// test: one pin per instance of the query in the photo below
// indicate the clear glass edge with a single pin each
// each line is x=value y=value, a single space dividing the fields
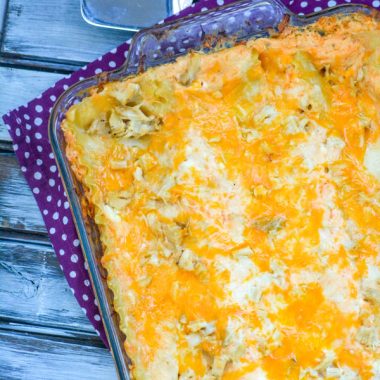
x=99 y=23
x=105 y=308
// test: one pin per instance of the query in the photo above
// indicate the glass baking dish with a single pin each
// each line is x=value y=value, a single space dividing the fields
x=131 y=15
x=208 y=31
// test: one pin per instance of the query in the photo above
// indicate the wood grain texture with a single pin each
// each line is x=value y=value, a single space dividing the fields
x=18 y=208
x=3 y=7
x=31 y=275
x=18 y=86
x=79 y=337
x=29 y=31
x=28 y=357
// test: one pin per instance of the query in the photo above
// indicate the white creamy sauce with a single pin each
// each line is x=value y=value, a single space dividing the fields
x=372 y=159
x=337 y=287
x=319 y=148
x=201 y=158
x=257 y=374
x=335 y=231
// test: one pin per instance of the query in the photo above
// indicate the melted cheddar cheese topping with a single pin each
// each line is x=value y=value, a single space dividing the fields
x=237 y=196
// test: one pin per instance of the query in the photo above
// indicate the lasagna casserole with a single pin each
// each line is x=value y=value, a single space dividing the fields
x=237 y=195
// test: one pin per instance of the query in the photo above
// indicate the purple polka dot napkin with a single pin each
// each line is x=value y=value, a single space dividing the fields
x=28 y=127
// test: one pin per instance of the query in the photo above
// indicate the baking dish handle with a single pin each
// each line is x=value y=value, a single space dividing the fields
x=226 y=24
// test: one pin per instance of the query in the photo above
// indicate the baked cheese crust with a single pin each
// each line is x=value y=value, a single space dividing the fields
x=237 y=196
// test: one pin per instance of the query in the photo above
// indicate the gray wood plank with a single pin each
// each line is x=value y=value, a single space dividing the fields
x=18 y=208
x=18 y=86
x=3 y=7
x=78 y=337
x=55 y=30
x=28 y=357
x=33 y=291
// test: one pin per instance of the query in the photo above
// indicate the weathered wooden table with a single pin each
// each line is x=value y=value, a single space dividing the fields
x=43 y=332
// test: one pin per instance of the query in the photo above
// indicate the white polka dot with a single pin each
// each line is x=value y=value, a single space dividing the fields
x=36 y=190
x=97 y=332
x=39 y=162
x=48 y=198
x=38 y=121
x=26 y=154
x=51 y=182
x=220 y=2
x=65 y=87
x=37 y=175
x=51 y=155
x=98 y=71
x=74 y=258
x=204 y=9
x=64 y=237
x=85 y=297
x=66 y=205
x=39 y=148
x=95 y=301
x=97 y=317
x=76 y=243
x=18 y=131
x=28 y=127
x=84 y=310
x=56 y=216
x=81 y=78
x=87 y=282
x=331 y=3
x=72 y=290
x=61 y=252
x=52 y=230
x=61 y=266
x=38 y=136
x=27 y=139
x=65 y=220
x=45 y=212
x=53 y=98
x=376 y=3
x=39 y=108
x=85 y=265
x=26 y=117
x=317 y=9
x=112 y=64
x=59 y=203
x=23 y=169
x=15 y=147
x=73 y=274
x=303 y=4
